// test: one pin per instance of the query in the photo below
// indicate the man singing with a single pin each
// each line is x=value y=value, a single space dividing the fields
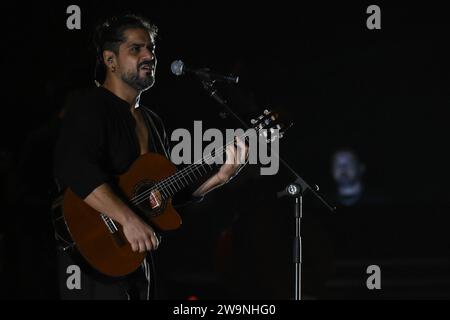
x=106 y=130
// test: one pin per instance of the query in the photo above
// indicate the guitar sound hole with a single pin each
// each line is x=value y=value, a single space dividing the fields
x=141 y=195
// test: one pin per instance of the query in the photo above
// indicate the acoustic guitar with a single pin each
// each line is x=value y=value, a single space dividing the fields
x=148 y=186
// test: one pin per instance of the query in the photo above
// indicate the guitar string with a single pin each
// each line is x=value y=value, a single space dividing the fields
x=139 y=198
x=174 y=178
x=170 y=180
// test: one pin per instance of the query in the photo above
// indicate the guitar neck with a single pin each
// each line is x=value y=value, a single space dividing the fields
x=193 y=172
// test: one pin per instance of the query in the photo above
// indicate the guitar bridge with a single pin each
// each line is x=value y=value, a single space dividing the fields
x=109 y=223
x=155 y=199
x=113 y=230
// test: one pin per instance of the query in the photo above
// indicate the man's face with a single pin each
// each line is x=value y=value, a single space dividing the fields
x=137 y=60
x=346 y=168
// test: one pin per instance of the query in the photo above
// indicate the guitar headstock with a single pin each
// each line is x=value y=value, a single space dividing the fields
x=269 y=122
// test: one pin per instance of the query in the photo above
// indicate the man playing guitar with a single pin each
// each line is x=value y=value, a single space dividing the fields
x=106 y=129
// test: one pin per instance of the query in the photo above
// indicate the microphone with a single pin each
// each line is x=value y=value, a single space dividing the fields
x=179 y=68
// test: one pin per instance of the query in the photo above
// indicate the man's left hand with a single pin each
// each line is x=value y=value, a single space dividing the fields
x=237 y=155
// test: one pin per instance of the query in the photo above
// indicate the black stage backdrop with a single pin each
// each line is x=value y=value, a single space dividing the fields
x=382 y=93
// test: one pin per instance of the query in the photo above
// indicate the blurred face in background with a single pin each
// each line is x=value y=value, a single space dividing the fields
x=346 y=168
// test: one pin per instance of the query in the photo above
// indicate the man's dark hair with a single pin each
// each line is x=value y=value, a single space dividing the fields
x=109 y=34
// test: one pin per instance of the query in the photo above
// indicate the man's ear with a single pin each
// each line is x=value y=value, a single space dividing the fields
x=109 y=58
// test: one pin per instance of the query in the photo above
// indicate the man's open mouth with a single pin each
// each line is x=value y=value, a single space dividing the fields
x=146 y=67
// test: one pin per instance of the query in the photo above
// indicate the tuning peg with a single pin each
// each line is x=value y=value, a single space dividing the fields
x=253 y=121
x=266 y=112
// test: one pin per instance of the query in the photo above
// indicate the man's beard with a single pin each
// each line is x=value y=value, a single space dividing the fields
x=140 y=84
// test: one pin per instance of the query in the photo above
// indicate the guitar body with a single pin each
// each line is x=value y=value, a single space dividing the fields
x=107 y=250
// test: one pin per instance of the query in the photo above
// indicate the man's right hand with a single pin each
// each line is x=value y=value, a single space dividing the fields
x=140 y=235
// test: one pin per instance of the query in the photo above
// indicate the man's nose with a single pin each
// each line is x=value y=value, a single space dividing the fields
x=148 y=55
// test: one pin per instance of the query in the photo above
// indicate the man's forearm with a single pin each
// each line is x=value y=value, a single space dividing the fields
x=104 y=200
x=208 y=186
x=137 y=232
x=236 y=159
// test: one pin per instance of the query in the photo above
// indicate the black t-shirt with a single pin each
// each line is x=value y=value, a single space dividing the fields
x=98 y=141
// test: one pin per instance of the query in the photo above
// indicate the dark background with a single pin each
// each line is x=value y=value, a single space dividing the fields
x=383 y=93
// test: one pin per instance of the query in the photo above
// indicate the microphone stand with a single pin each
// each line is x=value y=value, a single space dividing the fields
x=295 y=189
